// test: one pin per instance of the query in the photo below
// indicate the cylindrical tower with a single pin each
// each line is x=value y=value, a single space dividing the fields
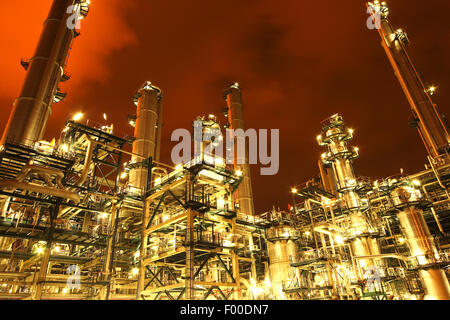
x=335 y=137
x=282 y=250
x=233 y=96
x=420 y=242
x=432 y=129
x=146 y=143
x=28 y=120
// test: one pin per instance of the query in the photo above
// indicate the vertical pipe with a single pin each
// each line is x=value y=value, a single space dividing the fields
x=159 y=132
x=143 y=251
x=40 y=282
x=108 y=267
x=436 y=218
x=254 y=274
x=28 y=120
x=233 y=97
x=235 y=265
x=40 y=279
x=189 y=293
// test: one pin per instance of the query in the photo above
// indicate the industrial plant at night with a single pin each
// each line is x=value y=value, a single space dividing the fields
x=98 y=215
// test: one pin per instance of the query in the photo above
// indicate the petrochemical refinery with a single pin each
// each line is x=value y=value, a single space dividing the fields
x=96 y=216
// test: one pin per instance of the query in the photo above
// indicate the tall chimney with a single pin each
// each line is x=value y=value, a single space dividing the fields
x=146 y=132
x=233 y=97
x=28 y=120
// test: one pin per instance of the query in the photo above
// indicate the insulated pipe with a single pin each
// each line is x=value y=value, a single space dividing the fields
x=30 y=168
x=421 y=243
x=44 y=173
x=432 y=128
x=87 y=160
x=146 y=132
x=14 y=184
x=244 y=193
x=159 y=133
x=28 y=120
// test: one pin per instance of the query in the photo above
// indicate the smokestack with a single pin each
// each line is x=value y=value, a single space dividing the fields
x=432 y=128
x=233 y=97
x=28 y=120
x=146 y=132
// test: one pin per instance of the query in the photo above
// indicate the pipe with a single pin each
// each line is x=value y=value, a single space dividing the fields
x=138 y=156
x=436 y=173
x=29 y=168
x=393 y=256
x=40 y=189
x=87 y=160
x=42 y=171
x=45 y=173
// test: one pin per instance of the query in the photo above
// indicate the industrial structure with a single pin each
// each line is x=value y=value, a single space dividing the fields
x=98 y=216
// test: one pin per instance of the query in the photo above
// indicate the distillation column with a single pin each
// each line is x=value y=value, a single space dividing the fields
x=28 y=120
x=420 y=242
x=244 y=193
x=146 y=133
x=283 y=250
x=341 y=158
x=432 y=129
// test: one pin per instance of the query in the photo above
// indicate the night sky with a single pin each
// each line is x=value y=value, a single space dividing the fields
x=298 y=62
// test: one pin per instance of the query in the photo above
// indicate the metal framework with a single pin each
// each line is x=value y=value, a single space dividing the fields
x=192 y=247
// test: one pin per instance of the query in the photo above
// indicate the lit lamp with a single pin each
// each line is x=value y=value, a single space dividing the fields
x=78 y=116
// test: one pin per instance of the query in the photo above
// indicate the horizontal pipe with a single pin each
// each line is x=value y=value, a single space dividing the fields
x=393 y=256
x=40 y=189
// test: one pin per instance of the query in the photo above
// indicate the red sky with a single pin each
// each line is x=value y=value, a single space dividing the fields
x=298 y=62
